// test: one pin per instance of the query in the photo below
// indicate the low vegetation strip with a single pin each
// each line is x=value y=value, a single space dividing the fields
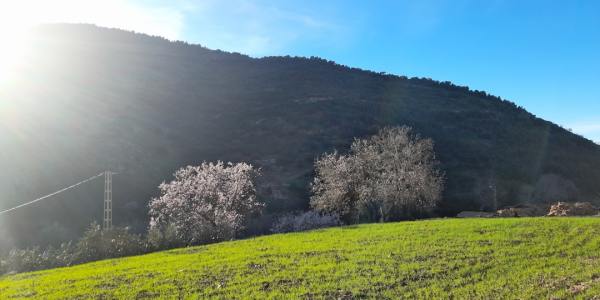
x=461 y=258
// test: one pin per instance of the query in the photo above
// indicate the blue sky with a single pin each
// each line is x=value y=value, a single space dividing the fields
x=543 y=55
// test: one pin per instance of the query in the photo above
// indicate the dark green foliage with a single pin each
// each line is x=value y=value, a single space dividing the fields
x=100 y=244
x=96 y=99
x=95 y=244
x=36 y=258
x=165 y=238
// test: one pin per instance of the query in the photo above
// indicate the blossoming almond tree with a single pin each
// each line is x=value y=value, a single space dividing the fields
x=390 y=176
x=207 y=203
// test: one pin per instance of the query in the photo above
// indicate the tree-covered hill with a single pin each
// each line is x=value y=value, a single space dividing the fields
x=88 y=99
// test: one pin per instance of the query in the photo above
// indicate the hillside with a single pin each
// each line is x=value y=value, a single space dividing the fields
x=90 y=99
x=535 y=258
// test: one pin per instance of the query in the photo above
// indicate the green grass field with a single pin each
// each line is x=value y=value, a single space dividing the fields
x=523 y=258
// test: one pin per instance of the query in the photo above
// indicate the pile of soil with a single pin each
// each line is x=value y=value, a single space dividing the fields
x=564 y=209
x=520 y=211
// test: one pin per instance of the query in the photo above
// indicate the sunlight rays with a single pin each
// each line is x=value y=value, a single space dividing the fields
x=14 y=37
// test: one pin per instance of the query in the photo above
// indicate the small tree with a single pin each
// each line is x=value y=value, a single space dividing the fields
x=206 y=203
x=389 y=176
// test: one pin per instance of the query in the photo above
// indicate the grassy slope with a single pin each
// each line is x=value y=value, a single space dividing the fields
x=471 y=258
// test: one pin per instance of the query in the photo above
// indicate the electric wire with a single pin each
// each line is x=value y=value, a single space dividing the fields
x=52 y=194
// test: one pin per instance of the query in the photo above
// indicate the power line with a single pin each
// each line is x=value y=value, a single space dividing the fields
x=53 y=194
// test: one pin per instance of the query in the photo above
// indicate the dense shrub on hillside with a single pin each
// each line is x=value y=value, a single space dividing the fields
x=19 y=260
x=36 y=258
x=165 y=238
x=207 y=203
x=392 y=175
x=100 y=244
x=95 y=244
x=304 y=221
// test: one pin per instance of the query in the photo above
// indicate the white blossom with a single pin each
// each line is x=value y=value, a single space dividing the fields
x=210 y=202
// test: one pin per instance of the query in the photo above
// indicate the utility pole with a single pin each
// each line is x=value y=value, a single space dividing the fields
x=107 y=225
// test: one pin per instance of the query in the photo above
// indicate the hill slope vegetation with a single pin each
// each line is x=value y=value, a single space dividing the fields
x=89 y=99
x=465 y=259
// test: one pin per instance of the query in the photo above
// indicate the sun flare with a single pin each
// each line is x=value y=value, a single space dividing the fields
x=17 y=17
x=16 y=20
x=12 y=52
